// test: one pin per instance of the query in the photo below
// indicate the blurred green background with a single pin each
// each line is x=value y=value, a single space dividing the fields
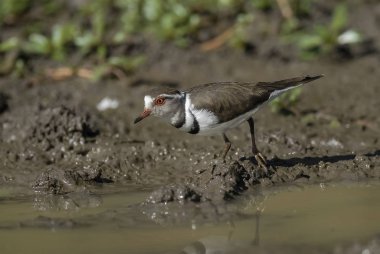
x=96 y=32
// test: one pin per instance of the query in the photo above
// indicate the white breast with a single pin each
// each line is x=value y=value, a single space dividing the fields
x=206 y=119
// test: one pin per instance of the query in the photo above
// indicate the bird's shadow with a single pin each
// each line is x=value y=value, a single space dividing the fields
x=310 y=161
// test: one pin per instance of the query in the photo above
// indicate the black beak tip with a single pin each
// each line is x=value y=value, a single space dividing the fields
x=138 y=119
x=143 y=115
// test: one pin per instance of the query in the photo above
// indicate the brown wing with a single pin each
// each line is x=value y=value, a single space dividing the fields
x=230 y=99
x=270 y=87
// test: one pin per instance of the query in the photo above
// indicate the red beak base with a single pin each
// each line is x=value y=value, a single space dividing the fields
x=143 y=115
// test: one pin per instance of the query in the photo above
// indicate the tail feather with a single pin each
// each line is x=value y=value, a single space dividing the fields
x=274 y=89
x=283 y=84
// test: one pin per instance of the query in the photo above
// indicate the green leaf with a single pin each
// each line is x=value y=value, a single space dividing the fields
x=152 y=10
x=286 y=100
x=61 y=34
x=38 y=44
x=19 y=68
x=290 y=26
x=10 y=8
x=308 y=119
x=263 y=5
x=335 y=123
x=339 y=19
x=98 y=25
x=127 y=64
x=100 y=71
x=10 y=44
x=85 y=42
x=309 y=41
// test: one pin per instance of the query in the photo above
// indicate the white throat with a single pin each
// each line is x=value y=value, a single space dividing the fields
x=189 y=116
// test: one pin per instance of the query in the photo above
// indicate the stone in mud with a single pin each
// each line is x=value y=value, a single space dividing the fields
x=62 y=181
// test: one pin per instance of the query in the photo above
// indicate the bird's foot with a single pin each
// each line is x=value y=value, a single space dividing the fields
x=262 y=162
x=223 y=159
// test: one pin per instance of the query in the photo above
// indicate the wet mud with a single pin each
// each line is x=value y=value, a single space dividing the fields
x=54 y=139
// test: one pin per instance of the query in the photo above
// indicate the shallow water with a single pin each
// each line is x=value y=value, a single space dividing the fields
x=112 y=221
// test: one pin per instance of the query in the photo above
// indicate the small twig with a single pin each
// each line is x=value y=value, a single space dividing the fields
x=285 y=9
x=62 y=73
x=85 y=73
x=218 y=41
x=119 y=74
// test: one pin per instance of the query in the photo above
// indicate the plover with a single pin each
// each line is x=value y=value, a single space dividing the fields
x=215 y=108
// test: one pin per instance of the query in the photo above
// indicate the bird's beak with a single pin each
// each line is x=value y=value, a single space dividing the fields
x=143 y=115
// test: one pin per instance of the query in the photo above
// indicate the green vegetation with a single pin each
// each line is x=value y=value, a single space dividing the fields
x=94 y=32
x=286 y=101
x=10 y=9
x=323 y=38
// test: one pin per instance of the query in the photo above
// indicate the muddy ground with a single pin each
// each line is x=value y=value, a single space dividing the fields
x=55 y=140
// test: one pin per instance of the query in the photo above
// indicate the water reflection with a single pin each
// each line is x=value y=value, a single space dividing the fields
x=68 y=202
x=295 y=219
x=197 y=214
x=225 y=244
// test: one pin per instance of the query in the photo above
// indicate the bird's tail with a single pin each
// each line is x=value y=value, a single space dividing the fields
x=274 y=89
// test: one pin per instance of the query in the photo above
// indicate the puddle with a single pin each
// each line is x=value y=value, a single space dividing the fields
x=112 y=221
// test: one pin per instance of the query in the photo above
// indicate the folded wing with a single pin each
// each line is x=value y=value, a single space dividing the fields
x=228 y=100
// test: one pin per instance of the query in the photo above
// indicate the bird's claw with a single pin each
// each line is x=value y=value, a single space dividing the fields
x=262 y=162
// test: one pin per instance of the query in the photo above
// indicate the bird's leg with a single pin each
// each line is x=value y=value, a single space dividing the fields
x=227 y=147
x=261 y=161
x=256 y=240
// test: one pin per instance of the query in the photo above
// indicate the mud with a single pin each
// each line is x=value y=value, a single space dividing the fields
x=54 y=140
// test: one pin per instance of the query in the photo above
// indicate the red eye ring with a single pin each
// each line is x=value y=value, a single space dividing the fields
x=160 y=101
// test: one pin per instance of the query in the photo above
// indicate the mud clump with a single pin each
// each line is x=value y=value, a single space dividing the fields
x=216 y=183
x=62 y=181
x=50 y=133
x=222 y=181
x=50 y=143
x=219 y=181
x=61 y=128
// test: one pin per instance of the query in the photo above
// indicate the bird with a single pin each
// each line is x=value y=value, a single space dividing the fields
x=215 y=108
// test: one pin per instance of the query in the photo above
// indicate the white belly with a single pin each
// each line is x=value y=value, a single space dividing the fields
x=205 y=128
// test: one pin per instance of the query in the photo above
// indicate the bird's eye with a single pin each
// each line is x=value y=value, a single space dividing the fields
x=160 y=101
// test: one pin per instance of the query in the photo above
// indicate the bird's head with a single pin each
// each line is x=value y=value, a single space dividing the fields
x=162 y=104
